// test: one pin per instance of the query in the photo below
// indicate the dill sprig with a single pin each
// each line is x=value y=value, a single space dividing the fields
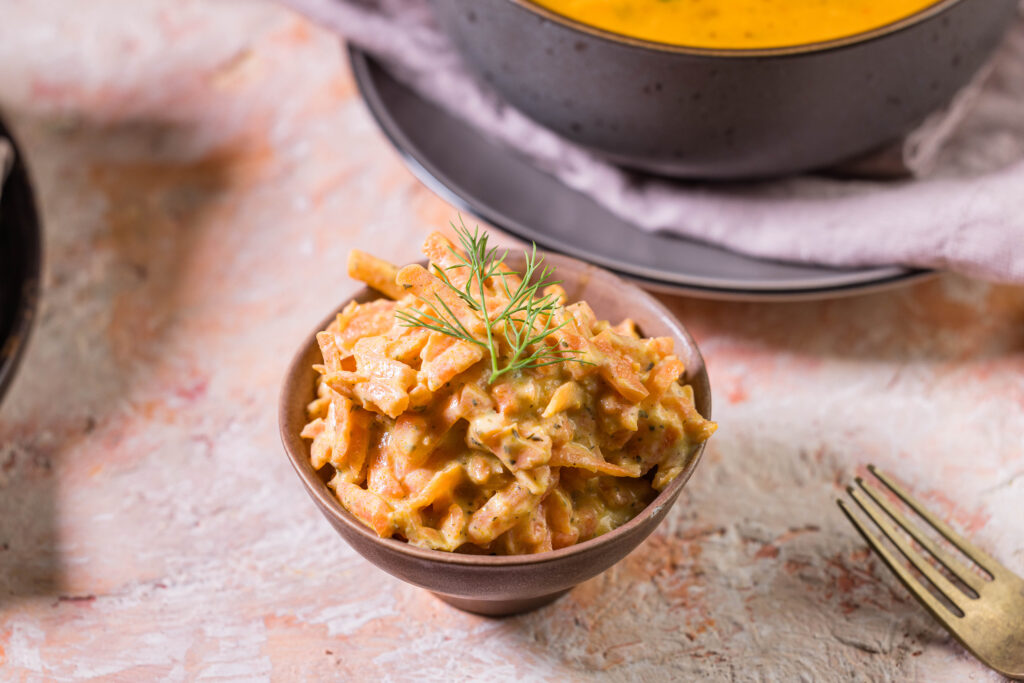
x=522 y=323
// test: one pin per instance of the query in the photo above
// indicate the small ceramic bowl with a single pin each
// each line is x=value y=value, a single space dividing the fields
x=500 y=585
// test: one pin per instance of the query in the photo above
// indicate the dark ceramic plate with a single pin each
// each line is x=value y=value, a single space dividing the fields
x=502 y=188
x=20 y=256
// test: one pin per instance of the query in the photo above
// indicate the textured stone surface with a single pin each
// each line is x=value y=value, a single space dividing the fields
x=203 y=169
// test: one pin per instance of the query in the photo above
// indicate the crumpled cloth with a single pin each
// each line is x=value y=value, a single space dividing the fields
x=962 y=209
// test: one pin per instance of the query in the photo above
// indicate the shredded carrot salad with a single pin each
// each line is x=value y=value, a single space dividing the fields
x=424 y=446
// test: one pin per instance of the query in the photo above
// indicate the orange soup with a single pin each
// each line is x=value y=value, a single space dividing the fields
x=736 y=24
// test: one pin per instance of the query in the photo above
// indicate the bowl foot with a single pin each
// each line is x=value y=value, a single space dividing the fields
x=500 y=608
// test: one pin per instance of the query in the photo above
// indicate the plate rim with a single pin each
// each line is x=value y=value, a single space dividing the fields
x=856 y=281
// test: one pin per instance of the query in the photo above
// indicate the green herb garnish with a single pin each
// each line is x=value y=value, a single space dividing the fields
x=516 y=332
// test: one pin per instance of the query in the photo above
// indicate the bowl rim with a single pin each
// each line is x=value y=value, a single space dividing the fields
x=921 y=15
x=297 y=449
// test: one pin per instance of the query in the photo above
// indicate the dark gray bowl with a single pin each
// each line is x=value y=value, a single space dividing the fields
x=499 y=585
x=725 y=114
x=20 y=265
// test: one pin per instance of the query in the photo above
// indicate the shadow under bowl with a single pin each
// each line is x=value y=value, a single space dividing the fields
x=725 y=114
x=502 y=585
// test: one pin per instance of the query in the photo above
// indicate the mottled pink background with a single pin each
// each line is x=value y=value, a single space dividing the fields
x=203 y=169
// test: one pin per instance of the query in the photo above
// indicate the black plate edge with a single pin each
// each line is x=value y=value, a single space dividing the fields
x=19 y=215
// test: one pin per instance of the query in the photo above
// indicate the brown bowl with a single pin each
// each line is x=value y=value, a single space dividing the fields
x=725 y=114
x=500 y=585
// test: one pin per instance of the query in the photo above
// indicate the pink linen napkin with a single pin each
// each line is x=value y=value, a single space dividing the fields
x=962 y=210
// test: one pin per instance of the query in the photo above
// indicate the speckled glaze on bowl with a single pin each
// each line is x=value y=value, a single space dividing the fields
x=725 y=114
x=501 y=585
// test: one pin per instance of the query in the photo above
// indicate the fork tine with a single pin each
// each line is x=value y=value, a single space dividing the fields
x=941 y=583
x=956 y=567
x=927 y=600
x=976 y=554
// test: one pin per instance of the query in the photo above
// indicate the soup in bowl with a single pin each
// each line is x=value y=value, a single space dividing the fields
x=808 y=88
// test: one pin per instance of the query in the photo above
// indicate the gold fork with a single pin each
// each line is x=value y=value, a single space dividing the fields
x=988 y=617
